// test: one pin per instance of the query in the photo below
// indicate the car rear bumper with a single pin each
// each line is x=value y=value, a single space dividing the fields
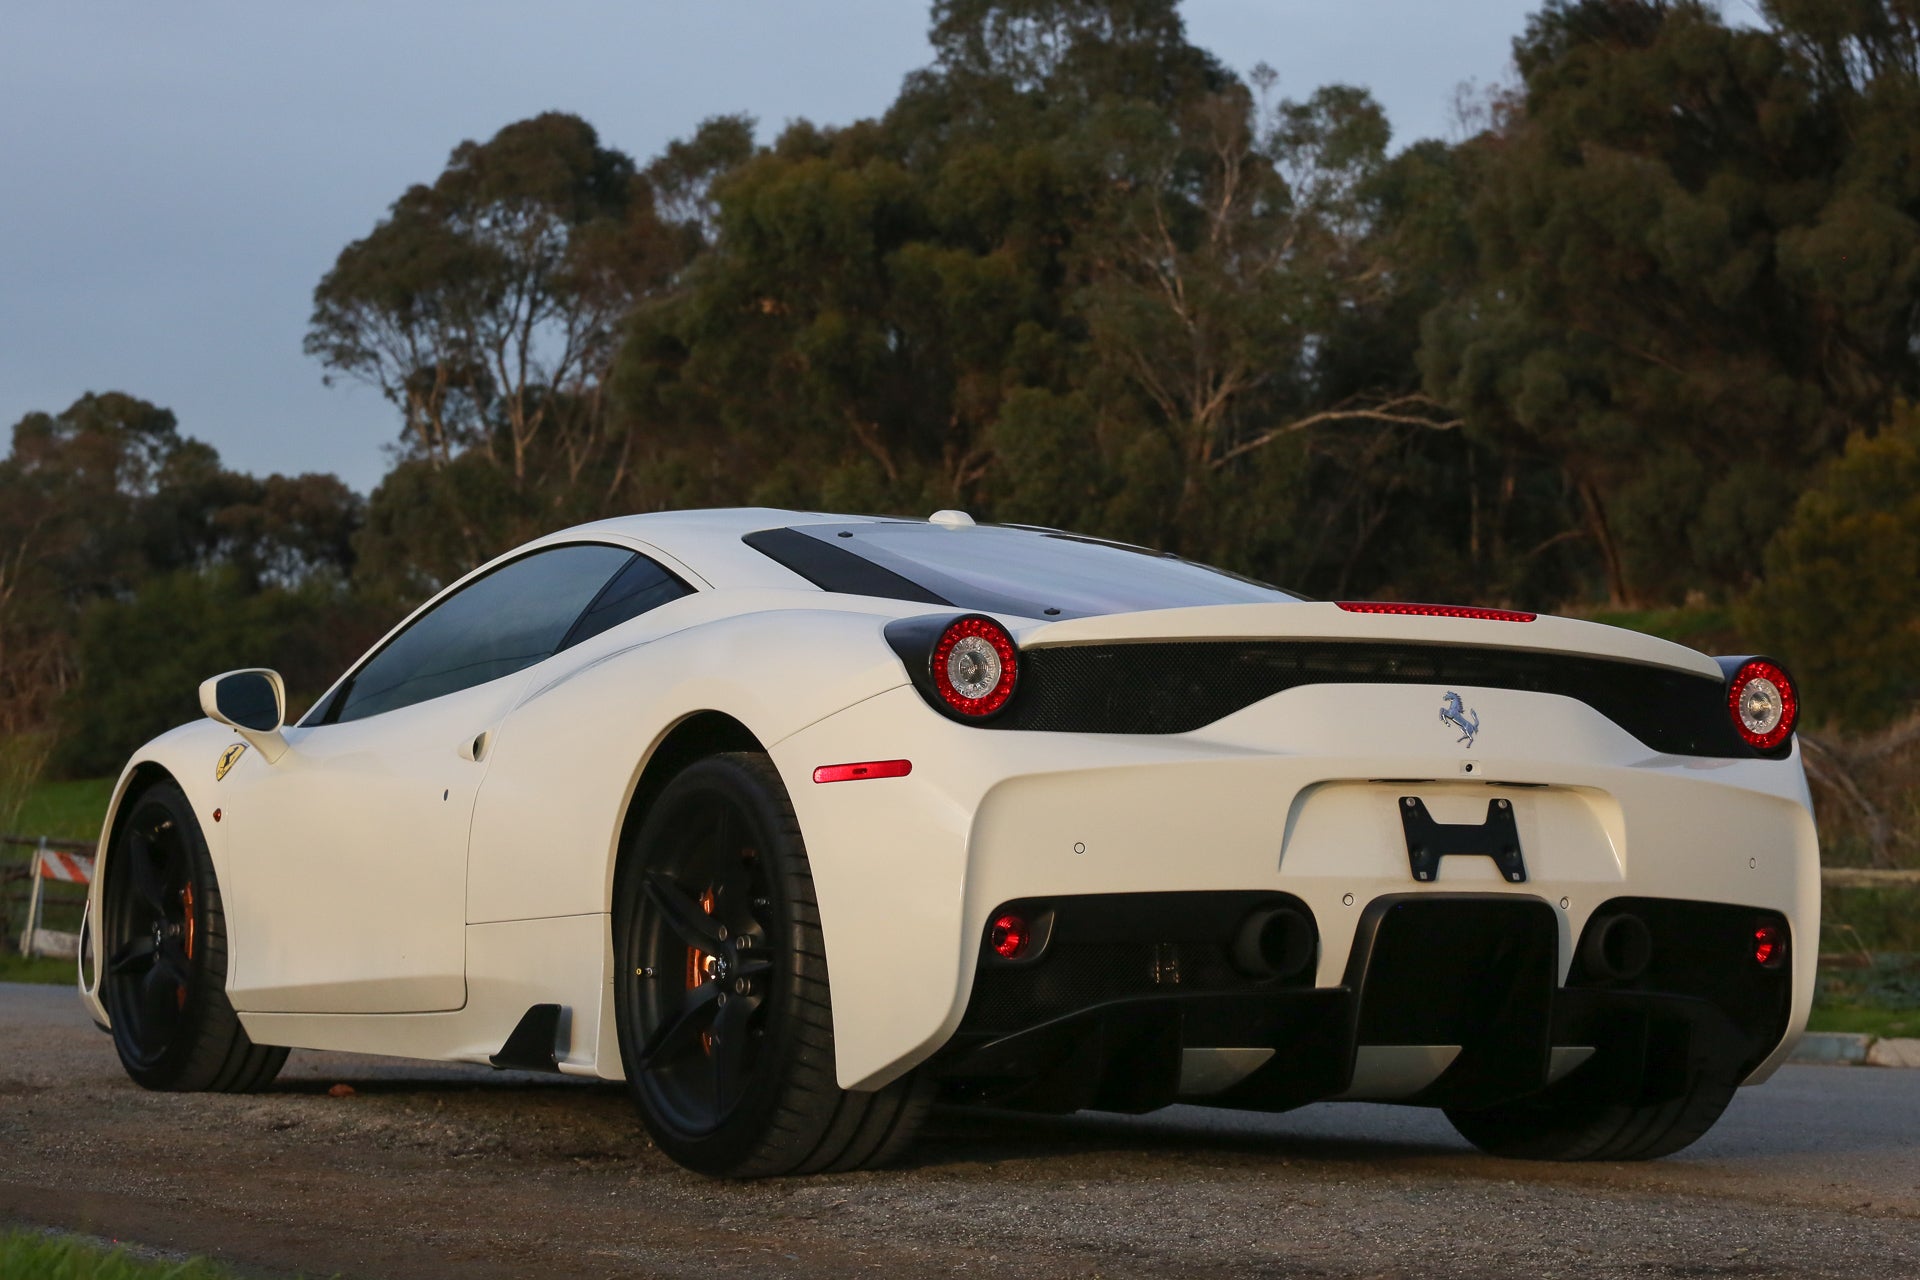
x=1131 y=1002
x=1299 y=795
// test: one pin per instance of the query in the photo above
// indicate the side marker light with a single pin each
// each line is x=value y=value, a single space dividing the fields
x=861 y=772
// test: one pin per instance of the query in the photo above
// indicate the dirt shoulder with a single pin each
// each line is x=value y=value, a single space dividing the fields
x=427 y=1171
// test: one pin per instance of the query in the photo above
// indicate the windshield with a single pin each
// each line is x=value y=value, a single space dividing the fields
x=1035 y=573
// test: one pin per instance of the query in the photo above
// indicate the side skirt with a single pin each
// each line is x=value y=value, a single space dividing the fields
x=512 y=966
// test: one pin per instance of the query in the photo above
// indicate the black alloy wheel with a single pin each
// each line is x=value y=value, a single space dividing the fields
x=150 y=971
x=703 y=948
x=163 y=979
x=721 y=991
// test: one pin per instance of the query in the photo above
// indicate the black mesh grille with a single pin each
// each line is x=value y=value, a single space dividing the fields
x=1179 y=686
x=1106 y=947
x=1081 y=975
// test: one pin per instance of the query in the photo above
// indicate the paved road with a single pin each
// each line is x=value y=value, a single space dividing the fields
x=430 y=1171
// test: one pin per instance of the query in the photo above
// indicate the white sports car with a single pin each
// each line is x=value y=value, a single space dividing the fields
x=796 y=822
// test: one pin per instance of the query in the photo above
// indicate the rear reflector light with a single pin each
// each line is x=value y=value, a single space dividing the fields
x=1769 y=946
x=1762 y=701
x=1008 y=936
x=1436 y=611
x=859 y=772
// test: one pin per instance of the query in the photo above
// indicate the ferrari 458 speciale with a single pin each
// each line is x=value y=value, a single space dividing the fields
x=799 y=823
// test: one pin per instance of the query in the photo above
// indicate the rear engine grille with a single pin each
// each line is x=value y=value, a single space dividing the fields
x=1179 y=686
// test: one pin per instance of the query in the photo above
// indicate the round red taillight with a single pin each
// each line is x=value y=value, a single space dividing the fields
x=1769 y=946
x=1009 y=936
x=975 y=666
x=1763 y=704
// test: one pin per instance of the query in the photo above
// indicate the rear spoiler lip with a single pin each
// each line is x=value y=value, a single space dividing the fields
x=1309 y=621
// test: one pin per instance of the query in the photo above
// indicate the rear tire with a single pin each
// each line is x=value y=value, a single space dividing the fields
x=1555 y=1125
x=164 y=966
x=721 y=992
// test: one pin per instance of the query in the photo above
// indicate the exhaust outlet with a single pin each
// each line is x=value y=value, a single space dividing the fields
x=1617 y=947
x=1274 y=942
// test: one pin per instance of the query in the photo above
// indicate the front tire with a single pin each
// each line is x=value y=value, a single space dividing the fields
x=723 y=1004
x=164 y=976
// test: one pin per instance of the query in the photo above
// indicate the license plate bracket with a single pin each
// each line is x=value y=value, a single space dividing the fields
x=1429 y=841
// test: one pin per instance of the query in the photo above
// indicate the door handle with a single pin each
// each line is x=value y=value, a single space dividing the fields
x=475 y=748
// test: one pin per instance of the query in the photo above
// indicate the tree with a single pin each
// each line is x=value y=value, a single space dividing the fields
x=1686 y=294
x=1076 y=275
x=142 y=656
x=97 y=503
x=487 y=305
x=1841 y=600
x=1238 y=237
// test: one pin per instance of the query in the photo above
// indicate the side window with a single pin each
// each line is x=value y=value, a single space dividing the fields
x=641 y=586
x=493 y=627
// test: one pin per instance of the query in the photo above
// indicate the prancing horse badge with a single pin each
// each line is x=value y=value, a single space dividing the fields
x=1453 y=712
x=227 y=759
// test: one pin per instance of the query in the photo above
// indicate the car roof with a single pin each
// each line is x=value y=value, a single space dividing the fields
x=707 y=540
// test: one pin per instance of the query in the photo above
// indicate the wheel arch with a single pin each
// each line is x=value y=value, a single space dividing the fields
x=694 y=736
x=139 y=775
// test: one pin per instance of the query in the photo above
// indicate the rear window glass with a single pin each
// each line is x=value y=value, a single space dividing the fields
x=641 y=586
x=1031 y=572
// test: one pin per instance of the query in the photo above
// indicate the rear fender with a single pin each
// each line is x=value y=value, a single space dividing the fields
x=567 y=762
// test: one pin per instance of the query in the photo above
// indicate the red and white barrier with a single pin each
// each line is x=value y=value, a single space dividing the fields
x=68 y=868
x=73 y=868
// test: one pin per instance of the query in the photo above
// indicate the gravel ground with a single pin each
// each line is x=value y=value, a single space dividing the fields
x=426 y=1170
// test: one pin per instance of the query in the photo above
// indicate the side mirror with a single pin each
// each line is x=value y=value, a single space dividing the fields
x=252 y=702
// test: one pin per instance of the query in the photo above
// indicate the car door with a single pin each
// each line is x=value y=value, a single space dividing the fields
x=350 y=850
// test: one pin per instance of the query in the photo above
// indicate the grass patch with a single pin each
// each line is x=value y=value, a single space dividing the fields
x=65 y=810
x=26 y=1255
x=1875 y=995
x=1871 y=919
x=1864 y=1020
x=61 y=811
x=15 y=967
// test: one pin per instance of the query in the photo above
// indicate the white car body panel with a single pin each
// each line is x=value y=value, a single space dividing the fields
x=992 y=822
x=358 y=906
x=386 y=894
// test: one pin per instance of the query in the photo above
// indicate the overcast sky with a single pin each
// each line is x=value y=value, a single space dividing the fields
x=175 y=178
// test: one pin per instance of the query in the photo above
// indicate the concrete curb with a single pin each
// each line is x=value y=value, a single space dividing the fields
x=1894 y=1051
x=1835 y=1048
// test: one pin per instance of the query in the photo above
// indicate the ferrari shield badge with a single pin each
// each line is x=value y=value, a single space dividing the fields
x=1453 y=712
x=227 y=760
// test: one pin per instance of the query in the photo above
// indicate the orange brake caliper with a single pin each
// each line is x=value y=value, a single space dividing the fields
x=186 y=901
x=696 y=967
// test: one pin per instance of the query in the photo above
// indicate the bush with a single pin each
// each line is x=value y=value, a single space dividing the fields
x=1841 y=600
x=143 y=658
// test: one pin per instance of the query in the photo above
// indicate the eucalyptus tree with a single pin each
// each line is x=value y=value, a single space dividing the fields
x=1698 y=269
x=488 y=306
